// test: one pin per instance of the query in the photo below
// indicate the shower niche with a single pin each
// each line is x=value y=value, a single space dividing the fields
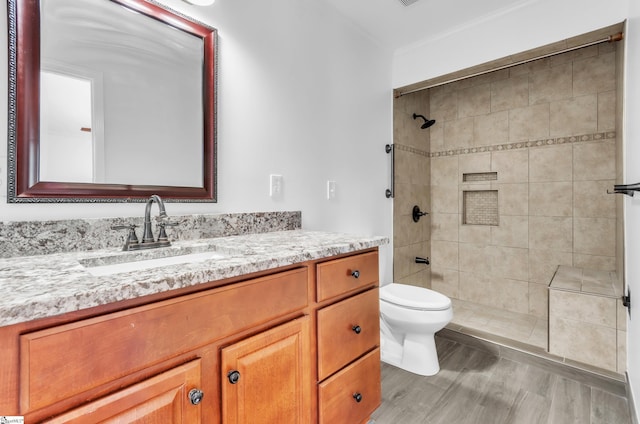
x=480 y=206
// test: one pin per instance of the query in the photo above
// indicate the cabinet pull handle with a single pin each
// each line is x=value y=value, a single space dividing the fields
x=233 y=376
x=357 y=397
x=195 y=396
x=356 y=329
x=355 y=274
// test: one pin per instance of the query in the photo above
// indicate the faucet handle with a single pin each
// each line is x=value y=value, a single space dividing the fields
x=132 y=239
x=162 y=235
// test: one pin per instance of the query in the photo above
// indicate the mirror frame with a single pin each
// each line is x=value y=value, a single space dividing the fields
x=24 y=115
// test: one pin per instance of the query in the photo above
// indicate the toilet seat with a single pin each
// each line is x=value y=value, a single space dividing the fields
x=413 y=297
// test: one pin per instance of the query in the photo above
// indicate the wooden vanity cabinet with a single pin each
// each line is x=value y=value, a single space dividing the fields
x=348 y=339
x=295 y=346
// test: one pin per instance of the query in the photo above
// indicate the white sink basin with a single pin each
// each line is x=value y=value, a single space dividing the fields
x=137 y=265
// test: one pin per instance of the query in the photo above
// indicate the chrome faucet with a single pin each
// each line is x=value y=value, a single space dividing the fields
x=148 y=241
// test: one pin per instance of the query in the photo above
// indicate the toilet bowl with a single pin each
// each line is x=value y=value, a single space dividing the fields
x=409 y=318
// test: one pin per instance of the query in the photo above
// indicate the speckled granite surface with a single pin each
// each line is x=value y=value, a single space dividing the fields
x=28 y=238
x=47 y=285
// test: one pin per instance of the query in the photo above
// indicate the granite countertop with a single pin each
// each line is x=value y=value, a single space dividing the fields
x=42 y=286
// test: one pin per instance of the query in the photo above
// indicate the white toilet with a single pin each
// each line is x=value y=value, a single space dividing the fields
x=409 y=318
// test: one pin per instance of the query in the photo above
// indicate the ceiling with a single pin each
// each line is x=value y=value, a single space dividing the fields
x=397 y=26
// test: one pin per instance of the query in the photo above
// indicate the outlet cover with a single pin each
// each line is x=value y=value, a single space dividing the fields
x=331 y=190
x=275 y=185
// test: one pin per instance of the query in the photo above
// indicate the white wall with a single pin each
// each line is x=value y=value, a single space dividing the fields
x=537 y=23
x=532 y=24
x=302 y=93
x=632 y=205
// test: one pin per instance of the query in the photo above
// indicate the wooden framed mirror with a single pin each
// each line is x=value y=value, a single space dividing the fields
x=146 y=76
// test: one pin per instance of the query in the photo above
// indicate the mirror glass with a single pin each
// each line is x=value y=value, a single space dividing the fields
x=118 y=104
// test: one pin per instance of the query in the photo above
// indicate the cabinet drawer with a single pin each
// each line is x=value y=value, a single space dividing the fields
x=337 y=395
x=63 y=361
x=346 y=330
x=344 y=275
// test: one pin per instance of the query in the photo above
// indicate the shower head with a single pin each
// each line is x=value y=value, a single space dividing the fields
x=427 y=122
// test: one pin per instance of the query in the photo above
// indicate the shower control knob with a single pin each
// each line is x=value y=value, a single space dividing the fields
x=195 y=396
x=233 y=376
x=355 y=274
x=357 y=397
x=357 y=329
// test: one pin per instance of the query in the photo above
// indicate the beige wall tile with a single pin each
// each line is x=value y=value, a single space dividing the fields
x=444 y=170
x=513 y=231
x=474 y=233
x=550 y=84
x=411 y=168
x=404 y=259
x=544 y=262
x=406 y=232
x=445 y=281
x=594 y=236
x=511 y=295
x=590 y=199
x=444 y=198
x=474 y=258
x=444 y=254
x=594 y=261
x=474 y=101
x=622 y=352
x=491 y=129
x=621 y=315
x=574 y=116
x=588 y=343
x=511 y=166
x=513 y=199
x=538 y=300
x=594 y=74
x=510 y=93
x=444 y=226
x=511 y=263
x=594 y=161
x=598 y=310
x=553 y=163
x=443 y=103
x=553 y=233
x=474 y=162
x=458 y=133
x=474 y=287
x=607 y=111
x=419 y=279
x=436 y=137
x=529 y=123
x=551 y=199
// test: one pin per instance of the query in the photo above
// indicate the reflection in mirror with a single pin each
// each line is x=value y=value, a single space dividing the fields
x=126 y=104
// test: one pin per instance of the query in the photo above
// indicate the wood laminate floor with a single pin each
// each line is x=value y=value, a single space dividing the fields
x=475 y=386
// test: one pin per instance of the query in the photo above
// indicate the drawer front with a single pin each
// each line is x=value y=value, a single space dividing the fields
x=63 y=361
x=338 y=396
x=347 y=274
x=346 y=330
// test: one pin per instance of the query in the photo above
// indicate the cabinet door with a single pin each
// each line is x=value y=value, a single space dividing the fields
x=267 y=378
x=163 y=399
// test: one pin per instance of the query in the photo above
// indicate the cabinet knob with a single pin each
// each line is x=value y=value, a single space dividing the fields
x=355 y=274
x=233 y=376
x=195 y=396
x=357 y=397
x=356 y=329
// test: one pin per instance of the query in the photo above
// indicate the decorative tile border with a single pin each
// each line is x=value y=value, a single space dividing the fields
x=526 y=144
x=609 y=135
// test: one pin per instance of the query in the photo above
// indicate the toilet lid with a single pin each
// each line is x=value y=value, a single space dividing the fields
x=414 y=297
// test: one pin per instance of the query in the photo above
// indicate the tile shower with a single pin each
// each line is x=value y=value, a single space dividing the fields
x=515 y=175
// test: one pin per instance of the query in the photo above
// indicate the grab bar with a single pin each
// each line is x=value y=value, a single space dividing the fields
x=390 y=148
